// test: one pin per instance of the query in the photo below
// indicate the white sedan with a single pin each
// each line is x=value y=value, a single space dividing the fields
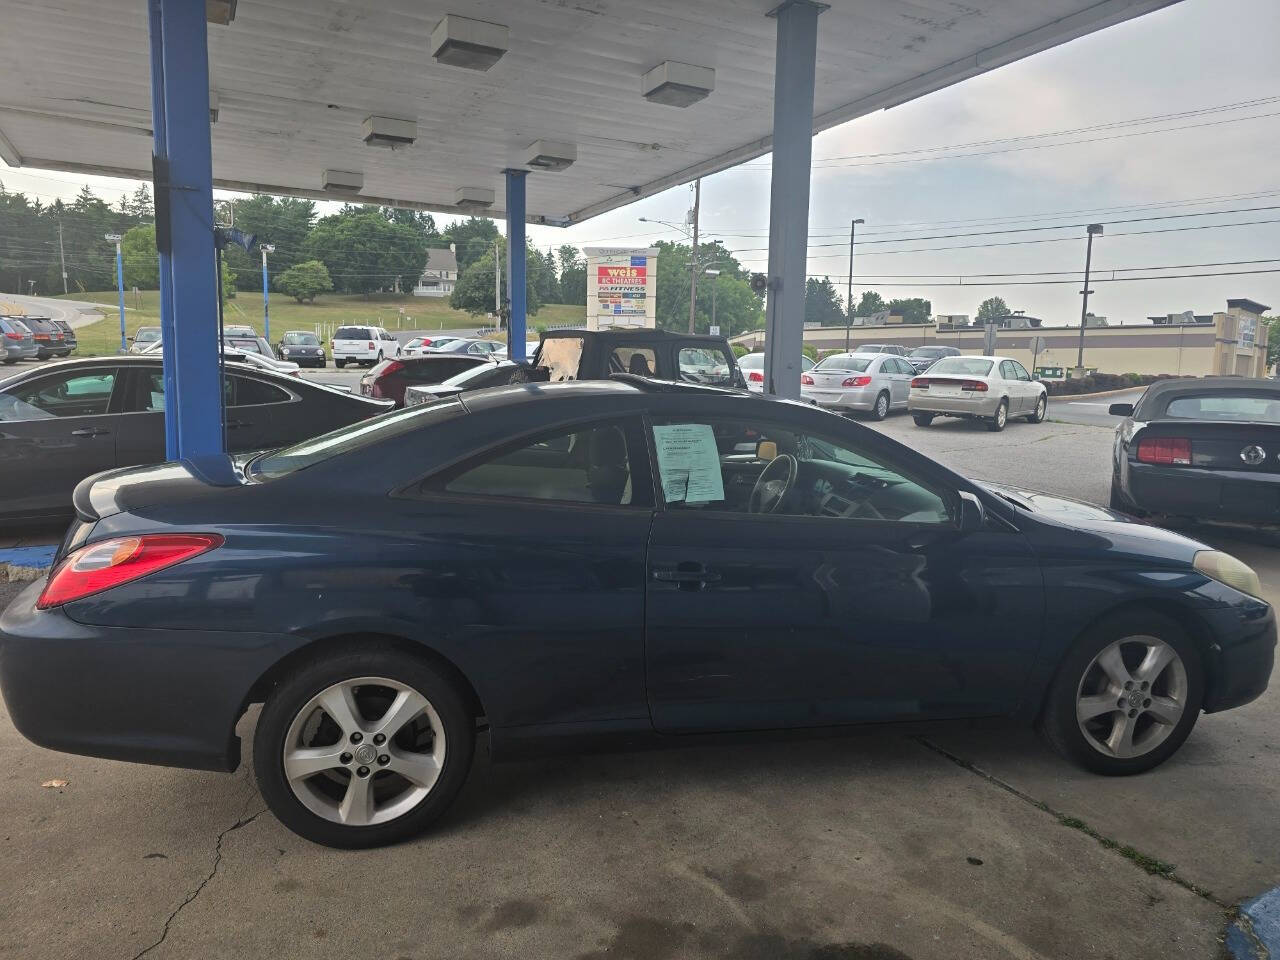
x=983 y=388
x=752 y=367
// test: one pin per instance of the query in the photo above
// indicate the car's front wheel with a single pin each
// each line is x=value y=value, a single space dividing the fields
x=1126 y=696
x=363 y=748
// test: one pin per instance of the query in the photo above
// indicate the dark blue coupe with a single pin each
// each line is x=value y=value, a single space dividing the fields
x=550 y=562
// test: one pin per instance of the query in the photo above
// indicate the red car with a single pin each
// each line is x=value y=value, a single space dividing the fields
x=388 y=379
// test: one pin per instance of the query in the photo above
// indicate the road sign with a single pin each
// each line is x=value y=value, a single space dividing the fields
x=715 y=330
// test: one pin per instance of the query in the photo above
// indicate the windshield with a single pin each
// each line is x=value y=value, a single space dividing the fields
x=751 y=361
x=843 y=364
x=353 y=333
x=355 y=437
x=1253 y=408
x=245 y=344
x=302 y=339
x=928 y=352
x=147 y=334
x=964 y=366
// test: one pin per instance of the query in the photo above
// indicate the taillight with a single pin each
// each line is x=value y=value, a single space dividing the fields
x=42 y=336
x=110 y=563
x=920 y=383
x=755 y=376
x=855 y=381
x=978 y=386
x=426 y=342
x=804 y=379
x=1168 y=451
x=393 y=366
x=13 y=336
x=372 y=346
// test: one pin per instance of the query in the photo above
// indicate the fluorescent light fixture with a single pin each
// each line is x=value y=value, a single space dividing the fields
x=221 y=12
x=389 y=132
x=472 y=44
x=343 y=181
x=473 y=198
x=677 y=84
x=550 y=155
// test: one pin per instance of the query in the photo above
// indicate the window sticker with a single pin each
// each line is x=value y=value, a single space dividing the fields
x=157 y=401
x=688 y=462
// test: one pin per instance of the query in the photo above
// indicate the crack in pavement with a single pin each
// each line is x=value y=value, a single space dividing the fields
x=1143 y=861
x=242 y=821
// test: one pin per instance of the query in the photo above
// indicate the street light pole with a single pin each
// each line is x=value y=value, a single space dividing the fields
x=116 y=238
x=715 y=288
x=848 y=296
x=1092 y=230
x=693 y=265
x=266 y=302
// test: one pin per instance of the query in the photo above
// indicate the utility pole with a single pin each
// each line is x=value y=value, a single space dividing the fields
x=63 y=257
x=116 y=238
x=266 y=303
x=693 y=260
x=1094 y=229
x=715 y=288
x=848 y=296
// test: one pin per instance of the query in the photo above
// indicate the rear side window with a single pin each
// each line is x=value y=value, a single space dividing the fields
x=642 y=361
x=705 y=365
x=1259 y=408
x=247 y=392
x=353 y=333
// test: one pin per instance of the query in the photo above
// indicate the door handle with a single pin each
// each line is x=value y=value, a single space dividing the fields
x=686 y=576
x=89 y=432
x=235 y=424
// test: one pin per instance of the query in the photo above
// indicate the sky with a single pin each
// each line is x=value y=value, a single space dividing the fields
x=1192 y=59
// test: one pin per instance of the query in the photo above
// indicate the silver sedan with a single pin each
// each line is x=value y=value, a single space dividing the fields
x=981 y=388
x=872 y=383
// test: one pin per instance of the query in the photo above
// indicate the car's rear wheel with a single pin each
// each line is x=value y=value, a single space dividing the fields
x=1041 y=411
x=339 y=363
x=996 y=423
x=922 y=419
x=363 y=748
x=1126 y=696
x=881 y=409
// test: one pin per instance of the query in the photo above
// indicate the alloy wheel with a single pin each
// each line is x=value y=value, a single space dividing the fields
x=1041 y=408
x=1002 y=415
x=1131 y=697
x=882 y=406
x=364 y=751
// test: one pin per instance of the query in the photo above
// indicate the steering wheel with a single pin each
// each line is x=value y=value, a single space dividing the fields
x=773 y=484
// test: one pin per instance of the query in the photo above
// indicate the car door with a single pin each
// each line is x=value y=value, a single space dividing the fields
x=857 y=599
x=1030 y=388
x=261 y=414
x=1011 y=386
x=899 y=372
x=55 y=430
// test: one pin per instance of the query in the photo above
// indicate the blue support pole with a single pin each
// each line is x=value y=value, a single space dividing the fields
x=516 y=263
x=184 y=220
x=793 y=77
x=124 y=344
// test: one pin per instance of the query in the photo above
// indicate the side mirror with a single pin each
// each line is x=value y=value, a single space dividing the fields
x=1121 y=409
x=973 y=516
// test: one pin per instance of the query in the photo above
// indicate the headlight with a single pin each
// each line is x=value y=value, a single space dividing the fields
x=285 y=351
x=1225 y=568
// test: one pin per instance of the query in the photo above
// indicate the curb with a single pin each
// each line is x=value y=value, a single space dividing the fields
x=23 y=564
x=1255 y=933
x=1082 y=396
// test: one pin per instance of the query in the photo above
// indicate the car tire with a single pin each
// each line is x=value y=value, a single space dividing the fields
x=922 y=419
x=339 y=363
x=1180 y=683
x=1118 y=502
x=881 y=408
x=291 y=711
x=996 y=424
x=1041 y=411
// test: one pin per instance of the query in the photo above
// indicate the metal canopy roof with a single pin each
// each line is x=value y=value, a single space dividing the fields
x=295 y=79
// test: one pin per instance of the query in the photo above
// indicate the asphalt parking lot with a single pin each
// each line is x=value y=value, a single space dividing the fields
x=952 y=842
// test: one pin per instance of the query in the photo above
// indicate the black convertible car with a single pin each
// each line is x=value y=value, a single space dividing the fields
x=557 y=561
x=62 y=422
x=1208 y=449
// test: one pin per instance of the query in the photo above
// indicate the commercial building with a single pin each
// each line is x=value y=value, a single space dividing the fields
x=1232 y=342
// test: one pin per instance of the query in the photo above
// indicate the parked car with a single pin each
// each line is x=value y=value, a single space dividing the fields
x=240 y=355
x=497 y=373
x=530 y=348
x=873 y=383
x=388 y=379
x=68 y=334
x=363 y=343
x=895 y=348
x=1206 y=448
x=420 y=345
x=983 y=388
x=142 y=338
x=302 y=347
x=17 y=342
x=467 y=345
x=752 y=367
x=63 y=422
x=249 y=343
x=577 y=354
x=626 y=559
x=922 y=358
x=238 y=330
x=50 y=340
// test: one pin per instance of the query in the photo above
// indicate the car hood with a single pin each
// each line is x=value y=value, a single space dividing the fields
x=1090 y=517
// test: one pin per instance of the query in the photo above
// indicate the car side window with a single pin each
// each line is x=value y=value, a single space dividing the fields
x=248 y=392
x=642 y=361
x=1019 y=370
x=1007 y=371
x=704 y=365
x=762 y=467
x=586 y=464
x=84 y=393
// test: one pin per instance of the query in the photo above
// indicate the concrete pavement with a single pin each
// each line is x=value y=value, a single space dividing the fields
x=1091 y=410
x=77 y=313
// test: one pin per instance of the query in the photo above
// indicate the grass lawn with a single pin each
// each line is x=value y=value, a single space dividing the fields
x=420 y=313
